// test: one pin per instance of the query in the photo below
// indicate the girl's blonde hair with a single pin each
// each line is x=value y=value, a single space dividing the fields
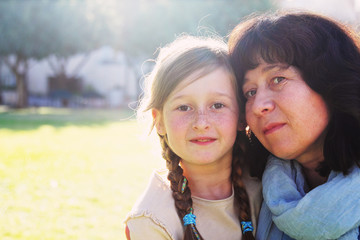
x=186 y=56
x=177 y=61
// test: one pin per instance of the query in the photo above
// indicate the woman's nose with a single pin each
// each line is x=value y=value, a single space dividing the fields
x=263 y=103
x=201 y=121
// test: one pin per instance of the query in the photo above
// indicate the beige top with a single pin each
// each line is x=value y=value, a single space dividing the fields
x=154 y=215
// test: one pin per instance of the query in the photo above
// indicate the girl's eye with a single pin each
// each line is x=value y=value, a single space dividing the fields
x=217 y=106
x=250 y=93
x=184 y=108
x=277 y=80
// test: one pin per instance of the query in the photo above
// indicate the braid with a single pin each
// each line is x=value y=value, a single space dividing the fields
x=183 y=201
x=241 y=196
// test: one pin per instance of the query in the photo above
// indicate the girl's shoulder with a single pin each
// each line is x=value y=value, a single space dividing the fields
x=158 y=190
x=157 y=204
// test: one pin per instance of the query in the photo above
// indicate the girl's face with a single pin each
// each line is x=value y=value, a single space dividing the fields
x=200 y=119
x=285 y=114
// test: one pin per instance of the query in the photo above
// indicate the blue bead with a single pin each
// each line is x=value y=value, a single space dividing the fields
x=189 y=219
x=247 y=226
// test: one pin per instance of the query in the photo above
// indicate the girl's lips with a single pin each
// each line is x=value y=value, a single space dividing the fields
x=272 y=128
x=203 y=141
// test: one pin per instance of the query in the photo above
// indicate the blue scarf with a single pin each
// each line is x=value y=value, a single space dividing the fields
x=329 y=211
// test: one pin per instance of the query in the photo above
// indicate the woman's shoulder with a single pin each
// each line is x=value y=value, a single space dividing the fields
x=156 y=205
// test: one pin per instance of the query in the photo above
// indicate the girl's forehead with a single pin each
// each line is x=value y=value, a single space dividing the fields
x=219 y=74
x=196 y=75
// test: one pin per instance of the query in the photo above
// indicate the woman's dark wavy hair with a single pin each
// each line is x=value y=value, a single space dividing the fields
x=328 y=57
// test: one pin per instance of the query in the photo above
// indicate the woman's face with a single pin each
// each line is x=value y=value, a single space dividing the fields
x=285 y=114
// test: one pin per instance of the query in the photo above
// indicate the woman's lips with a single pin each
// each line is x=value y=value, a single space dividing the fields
x=272 y=128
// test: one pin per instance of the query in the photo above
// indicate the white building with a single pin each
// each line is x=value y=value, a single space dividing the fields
x=106 y=72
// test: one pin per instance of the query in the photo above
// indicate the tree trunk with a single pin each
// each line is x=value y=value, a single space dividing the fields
x=19 y=69
x=80 y=65
x=1 y=82
x=59 y=66
x=21 y=90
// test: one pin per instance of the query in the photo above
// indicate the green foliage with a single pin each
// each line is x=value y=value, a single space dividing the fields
x=62 y=28
x=18 y=31
x=38 y=29
x=156 y=23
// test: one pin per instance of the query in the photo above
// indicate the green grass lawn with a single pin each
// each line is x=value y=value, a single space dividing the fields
x=71 y=174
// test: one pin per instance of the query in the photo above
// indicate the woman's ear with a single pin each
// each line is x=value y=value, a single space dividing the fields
x=158 y=122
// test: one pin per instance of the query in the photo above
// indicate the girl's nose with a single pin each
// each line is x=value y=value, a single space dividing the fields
x=201 y=121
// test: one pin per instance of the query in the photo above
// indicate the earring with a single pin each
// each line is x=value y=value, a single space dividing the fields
x=248 y=132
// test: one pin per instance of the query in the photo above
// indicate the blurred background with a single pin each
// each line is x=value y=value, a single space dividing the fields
x=72 y=159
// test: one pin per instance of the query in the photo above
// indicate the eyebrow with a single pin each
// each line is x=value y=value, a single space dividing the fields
x=280 y=66
x=221 y=94
x=277 y=66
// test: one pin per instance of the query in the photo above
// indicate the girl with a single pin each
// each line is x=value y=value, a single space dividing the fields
x=300 y=78
x=193 y=99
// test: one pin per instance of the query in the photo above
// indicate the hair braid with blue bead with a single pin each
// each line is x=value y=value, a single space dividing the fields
x=241 y=196
x=181 y=192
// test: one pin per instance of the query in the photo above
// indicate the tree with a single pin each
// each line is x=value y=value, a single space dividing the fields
x=18 y=42
x=81 y=26
x=59 y=29
x=158 y=22
x=39 y=29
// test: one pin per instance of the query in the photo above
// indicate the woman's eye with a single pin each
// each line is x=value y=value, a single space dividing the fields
x=277 y=80
x=250 y=93
x=217 y=106
x=184 y=108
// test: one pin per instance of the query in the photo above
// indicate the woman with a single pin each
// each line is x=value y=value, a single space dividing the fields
x=300 y=78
